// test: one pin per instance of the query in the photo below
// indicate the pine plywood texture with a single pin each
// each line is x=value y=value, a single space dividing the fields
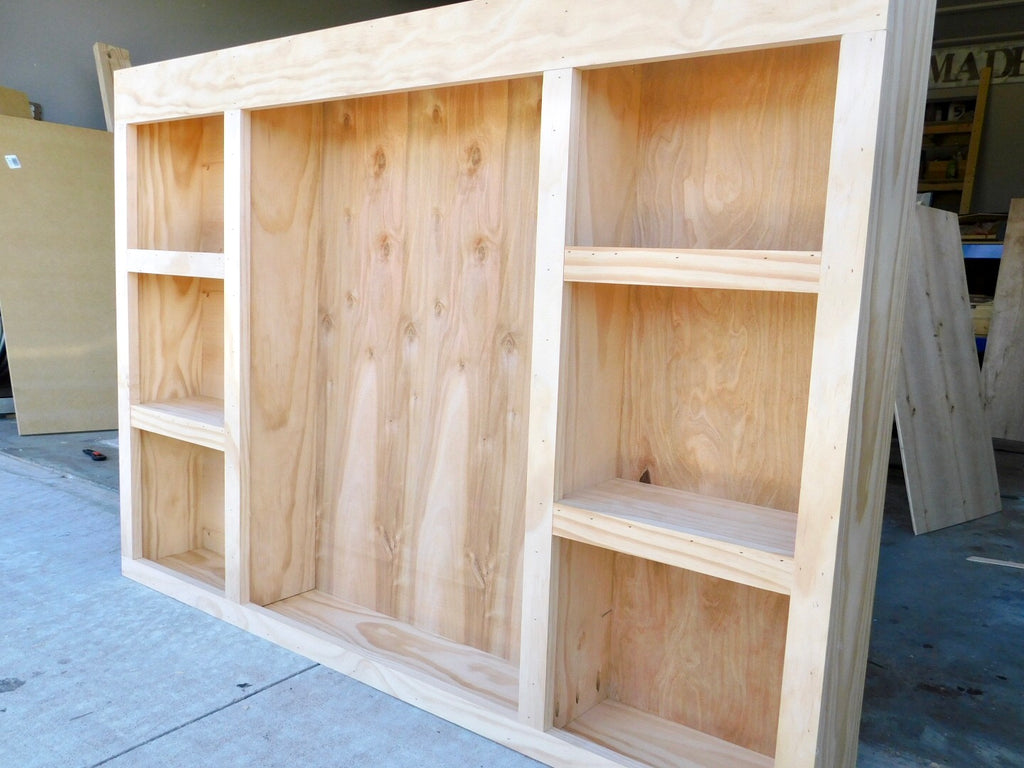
x=1003 y=368
x=14 y=103
x=56 y=275
x=542 y=358
x=947 y=451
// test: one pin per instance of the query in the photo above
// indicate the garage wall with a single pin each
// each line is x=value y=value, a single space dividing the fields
x=46 y=45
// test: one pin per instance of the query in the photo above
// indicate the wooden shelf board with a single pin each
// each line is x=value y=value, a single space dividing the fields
x=740 y=542
x=940 y=186
x=176 y=263
x=378 y=636
x=198 y=420
x=795 y=271
x=954 y=127
x=200 y=564
x=659 y=743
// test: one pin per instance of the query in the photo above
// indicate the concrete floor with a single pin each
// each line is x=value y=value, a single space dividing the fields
x=96 y=670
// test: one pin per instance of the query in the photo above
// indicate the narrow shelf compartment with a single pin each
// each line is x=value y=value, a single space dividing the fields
x=200 y=564
x=491 y=679
x=181 y=506
x=198 y=420
x=949 y=127
x=179 y=263
x=660 y=743
x=940 y=186
x=745 y=543
x=752 y=270
x=180 y=185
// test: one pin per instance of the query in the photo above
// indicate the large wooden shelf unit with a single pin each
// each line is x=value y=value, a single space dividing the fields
x=531 y=362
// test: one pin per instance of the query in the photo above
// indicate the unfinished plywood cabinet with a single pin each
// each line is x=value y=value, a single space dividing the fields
x=542 y=378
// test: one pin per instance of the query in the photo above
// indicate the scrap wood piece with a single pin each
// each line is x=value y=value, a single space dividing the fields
x=948 y=458
x=109 y=58
x=14 y=103
x=1003 y=370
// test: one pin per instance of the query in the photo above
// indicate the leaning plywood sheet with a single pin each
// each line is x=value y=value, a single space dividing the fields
x=57 y=275
x=947 y=453
x=14 y=103
x=1003 y=371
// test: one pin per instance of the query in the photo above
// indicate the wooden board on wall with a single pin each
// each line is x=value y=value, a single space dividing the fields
x=57 y=275
x=1003 y=371
x=947 y=453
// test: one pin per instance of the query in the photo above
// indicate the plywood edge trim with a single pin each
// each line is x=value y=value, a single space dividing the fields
x=174 y=263
x=495 y=723
x=791 y=271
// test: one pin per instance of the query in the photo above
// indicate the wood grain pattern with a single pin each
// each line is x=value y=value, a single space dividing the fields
x=692 y=649
x=727 y=152
x=180 y=167
x=739 y=542
x=426 y=336
x=198 y=420
x=659 y=743
x=200 y=564
x=179 y=263
x=712 y=386
x=795 y=271
x=182 y=498
x=1003 y=368
x=481 y=41
x=948 y=461
x=180 y=337
x=286 y=420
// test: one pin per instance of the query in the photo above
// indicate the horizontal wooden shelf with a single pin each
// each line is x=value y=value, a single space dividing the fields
x=939 y=186
x=176 y=263
x=383 y=638
x=949 y=127
x=795 y=271
x=659 y=743
x=740 y=542
x=200 y=564
x=197 y=420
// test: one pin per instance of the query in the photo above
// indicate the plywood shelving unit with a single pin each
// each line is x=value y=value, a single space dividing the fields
x=550 y=393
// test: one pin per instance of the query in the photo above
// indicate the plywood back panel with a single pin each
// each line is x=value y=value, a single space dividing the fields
x=728 y=151
x=182 y=497
x=284 y=320
x=429 y=211
x=697 y=650
x=180 y=173
x=181 y=337
x=57 y=275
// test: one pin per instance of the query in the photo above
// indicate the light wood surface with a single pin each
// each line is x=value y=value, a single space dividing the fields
x=180 y=177
x=109 y=59
x=284 y=479
x=57 y=275
x=680 y=174
x=200 y=564
x=660 y=743
x=178 y=263
x=14 y=103
x=737 y=270
x=483 y=41
x=658 y=638
x=1003 y=367
x=948 y=461
x=198 y=420
x=739 y=542
x=182 y=499
x=489 y=678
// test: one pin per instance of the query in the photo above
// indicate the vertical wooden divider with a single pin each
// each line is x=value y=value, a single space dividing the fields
x=236 y=353
x=556 y=189
x=126 y=288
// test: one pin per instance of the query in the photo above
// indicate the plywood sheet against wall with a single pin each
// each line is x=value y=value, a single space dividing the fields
x=57 y=275
x=1003 y=371
x=947 y=452
x=14 y=103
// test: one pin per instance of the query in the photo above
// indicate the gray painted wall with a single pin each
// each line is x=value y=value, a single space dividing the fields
x=46 y=45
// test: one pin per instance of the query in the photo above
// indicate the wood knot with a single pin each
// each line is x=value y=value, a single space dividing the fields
x=410 y=332
x=380 y=162
x=474 y=157
x=480 y=250
x=384 y=247
x=439 y=308
x=351 y=299
x=346 y=120
x=508 y=344
x=437 y=114
x=327 y=321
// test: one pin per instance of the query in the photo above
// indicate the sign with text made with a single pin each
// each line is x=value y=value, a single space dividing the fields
x=955 y=67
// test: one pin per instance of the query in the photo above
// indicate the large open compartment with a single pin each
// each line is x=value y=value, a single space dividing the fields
x=180 y=185
x=182 y=506
x=391 y=285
